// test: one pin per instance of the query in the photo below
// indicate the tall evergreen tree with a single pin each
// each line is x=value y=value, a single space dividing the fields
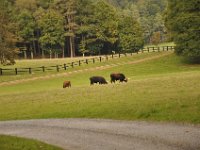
x=68 y=9
x=183 y=20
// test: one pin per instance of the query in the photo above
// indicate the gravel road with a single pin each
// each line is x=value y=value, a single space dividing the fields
x=99 y=134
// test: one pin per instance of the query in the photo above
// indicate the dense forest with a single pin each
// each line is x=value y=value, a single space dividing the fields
x=67 y=28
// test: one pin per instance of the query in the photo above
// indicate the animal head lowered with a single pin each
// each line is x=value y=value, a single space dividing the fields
x=126 y=80
x=118 y=77
x=66 y=84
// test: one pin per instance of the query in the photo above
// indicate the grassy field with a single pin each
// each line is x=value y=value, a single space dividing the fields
x=15 y=143
x=161 y=44
x=162 y=89
x=12 y=76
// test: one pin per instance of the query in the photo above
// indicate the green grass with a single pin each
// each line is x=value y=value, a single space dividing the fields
x=161 y=44
x=164 y=89
x=11 y=77
x=16 y=143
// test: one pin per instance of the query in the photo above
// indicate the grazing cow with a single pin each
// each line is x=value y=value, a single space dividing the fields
x=118 y=76
x=97 y=79
x=66 y=84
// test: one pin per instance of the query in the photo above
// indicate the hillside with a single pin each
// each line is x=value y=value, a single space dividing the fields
x=160 y=87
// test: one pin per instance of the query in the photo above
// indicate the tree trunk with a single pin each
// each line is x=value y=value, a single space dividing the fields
x=63 y=52
x=31 y=54
x=71 y=46
x=25 y=55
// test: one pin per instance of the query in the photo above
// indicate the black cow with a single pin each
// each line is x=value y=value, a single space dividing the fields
x=97 y=79
x=118 y=76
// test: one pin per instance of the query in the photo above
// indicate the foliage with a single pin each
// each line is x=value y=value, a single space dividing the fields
x=8 y=36
x=98 y=27
x=130 y=35
x=51 y=25
x=156 y=38
x=26 y=25
x=92 y=26
x=182 y=19
x=67 y=9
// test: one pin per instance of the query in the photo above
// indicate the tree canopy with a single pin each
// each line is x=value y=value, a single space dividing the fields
x=7 y=35
x=183 y=20
x=72 y=27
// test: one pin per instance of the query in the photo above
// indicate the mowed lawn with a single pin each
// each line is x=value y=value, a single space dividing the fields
x=162 y=89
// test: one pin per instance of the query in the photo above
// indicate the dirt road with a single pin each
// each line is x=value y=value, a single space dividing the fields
x=98 y=134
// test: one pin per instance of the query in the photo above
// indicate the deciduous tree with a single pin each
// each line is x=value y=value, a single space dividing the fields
x=8 y=37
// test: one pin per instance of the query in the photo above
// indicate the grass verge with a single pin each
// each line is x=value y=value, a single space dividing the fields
x=16 y=143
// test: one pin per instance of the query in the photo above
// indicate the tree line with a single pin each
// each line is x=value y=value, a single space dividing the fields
x=67 y=28
x=74 y=27
x=183 y=21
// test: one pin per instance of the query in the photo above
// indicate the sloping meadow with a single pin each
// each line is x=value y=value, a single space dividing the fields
x=161 y=89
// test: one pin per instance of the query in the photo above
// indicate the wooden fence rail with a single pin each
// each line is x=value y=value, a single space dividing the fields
x=57 y=68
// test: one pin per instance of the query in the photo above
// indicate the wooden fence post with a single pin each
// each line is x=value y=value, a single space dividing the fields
x=57 y=68
x=93 y=60
x=148 y=49
x=1 y=71
x=65 y=67
x=112 y=55
x=100 y=58
x=86 y=61
x=106 y=57
x=16 y=71
x=119 y=55
x=29 y=70
x=72 y=64
x=79 y=63
x=43 y=68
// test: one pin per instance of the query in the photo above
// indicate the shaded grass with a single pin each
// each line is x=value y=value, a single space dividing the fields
x=16 y=143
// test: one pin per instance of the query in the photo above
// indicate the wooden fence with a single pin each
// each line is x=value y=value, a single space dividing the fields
x=57 y=68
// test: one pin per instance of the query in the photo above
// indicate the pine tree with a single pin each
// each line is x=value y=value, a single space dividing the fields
x=68 y=9
x=183 y=20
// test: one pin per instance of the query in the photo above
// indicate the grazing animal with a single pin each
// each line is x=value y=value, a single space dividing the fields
x=118 y=76
x=97 y=79
x=66 y=84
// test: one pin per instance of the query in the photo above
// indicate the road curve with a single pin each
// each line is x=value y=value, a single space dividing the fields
x=99 y=134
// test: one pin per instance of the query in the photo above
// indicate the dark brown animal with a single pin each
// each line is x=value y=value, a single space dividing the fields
x=118 y=76
x=97 y=79
x=66 y=84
